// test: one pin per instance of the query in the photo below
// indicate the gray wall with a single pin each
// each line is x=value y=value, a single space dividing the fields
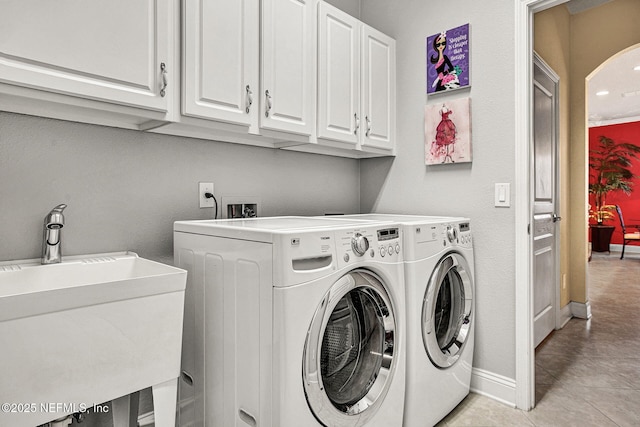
x=125 y=188
x=407 y=185
x=352 y=7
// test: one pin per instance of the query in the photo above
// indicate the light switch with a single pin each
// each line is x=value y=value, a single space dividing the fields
x=503 y=195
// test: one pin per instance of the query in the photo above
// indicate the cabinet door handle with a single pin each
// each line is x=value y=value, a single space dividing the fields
x=165 y=79
x=355 y=116
x=249 y=99
x=368 y=126
x=268 y=98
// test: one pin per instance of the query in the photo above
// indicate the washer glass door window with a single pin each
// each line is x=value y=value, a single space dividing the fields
x=446 y=310
x=350 y=354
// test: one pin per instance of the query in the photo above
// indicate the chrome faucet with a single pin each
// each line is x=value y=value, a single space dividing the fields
x=51 y=242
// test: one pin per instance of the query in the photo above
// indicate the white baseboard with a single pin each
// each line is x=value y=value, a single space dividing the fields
x=565 y=316
x=581 y=309
x=494 y=386
x=146 y=419
x=629 y=249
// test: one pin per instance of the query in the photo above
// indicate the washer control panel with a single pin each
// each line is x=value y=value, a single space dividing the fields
x=369 y=244
x=465 y=234
x=359 y=244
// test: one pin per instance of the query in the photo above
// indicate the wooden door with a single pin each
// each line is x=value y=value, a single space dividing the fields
x=545 y=220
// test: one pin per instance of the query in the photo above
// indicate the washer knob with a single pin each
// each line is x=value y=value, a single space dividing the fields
x=452 y=233
x=359 y=244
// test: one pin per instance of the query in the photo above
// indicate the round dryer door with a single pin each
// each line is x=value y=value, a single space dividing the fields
x=446 y=310
x=350 y=354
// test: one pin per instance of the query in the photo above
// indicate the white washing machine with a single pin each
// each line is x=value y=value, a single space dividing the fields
x=439 y=275
x=292 y=321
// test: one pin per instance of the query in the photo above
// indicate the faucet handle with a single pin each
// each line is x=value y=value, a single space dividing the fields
x=59 y=208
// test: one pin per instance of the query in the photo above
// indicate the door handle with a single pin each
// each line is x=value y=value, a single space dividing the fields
x=556 y=218
x=249 y=99
x=165 y=79
x=268 y=99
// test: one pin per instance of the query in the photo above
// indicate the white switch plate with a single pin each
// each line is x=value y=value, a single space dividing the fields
x=203 y=188
x=503 y=195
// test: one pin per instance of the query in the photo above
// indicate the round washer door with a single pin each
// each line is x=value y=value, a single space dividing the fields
x=350 y=355
x=446 y=310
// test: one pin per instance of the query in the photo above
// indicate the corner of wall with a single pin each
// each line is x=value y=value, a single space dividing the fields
x=494 y=386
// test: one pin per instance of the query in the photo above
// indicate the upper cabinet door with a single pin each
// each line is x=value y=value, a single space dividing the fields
x=220 y=54
x=379 y=89
x=339 y=116
x=288 y=64
x=110 y=51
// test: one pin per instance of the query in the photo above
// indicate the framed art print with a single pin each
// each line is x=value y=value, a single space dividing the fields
x=447 y=132
x=448 y=60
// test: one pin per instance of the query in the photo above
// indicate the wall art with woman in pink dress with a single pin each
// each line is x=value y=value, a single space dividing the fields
x=447 y=132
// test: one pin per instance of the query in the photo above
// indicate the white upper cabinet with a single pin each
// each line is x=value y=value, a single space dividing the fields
x=287 y=98
x=378 y=90
x=339 y=113
x=117 y=51
x=297 y=74
x=356 y=84
x=221 y=60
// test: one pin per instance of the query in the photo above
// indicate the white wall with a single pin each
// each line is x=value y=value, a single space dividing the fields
x=125 y=188
x=406 y=185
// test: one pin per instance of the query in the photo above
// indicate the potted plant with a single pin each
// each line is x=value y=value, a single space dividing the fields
x=609 y=170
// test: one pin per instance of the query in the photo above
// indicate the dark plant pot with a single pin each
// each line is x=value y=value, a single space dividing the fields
x=601 y=237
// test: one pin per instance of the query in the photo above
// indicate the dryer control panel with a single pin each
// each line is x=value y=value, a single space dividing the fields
x=465 y=234
x=369 y=243
x=457 y=234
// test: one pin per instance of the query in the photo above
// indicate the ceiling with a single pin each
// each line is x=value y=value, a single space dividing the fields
x=577 y=6
x=617 y=76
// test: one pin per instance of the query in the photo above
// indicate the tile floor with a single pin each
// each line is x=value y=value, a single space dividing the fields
x=588 y=373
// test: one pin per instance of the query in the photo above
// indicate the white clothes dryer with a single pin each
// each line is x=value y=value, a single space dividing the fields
x=292 y=321
x=439 y=277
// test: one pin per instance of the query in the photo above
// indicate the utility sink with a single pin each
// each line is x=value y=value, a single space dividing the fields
x=85 y=331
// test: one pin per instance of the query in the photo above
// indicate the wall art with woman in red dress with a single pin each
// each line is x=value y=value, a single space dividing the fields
x=447 y=132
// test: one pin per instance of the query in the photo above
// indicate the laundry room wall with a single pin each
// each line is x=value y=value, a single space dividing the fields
x=124 y=189
x=406 y=185
x=352 y=7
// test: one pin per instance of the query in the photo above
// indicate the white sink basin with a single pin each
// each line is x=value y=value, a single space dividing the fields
x=86 y=331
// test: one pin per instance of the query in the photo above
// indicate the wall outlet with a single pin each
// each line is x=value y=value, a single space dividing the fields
x=204 y=188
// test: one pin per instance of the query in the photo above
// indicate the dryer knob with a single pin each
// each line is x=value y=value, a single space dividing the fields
x=359 y=244
x=452 y=234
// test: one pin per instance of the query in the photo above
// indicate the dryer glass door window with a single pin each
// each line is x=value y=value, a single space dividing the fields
x=349 y=354
x=446 y=310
